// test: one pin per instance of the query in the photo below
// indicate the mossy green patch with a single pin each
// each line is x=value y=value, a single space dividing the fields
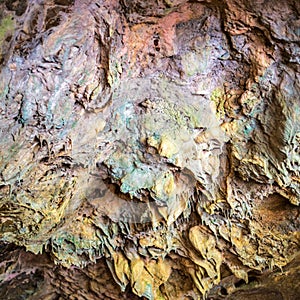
x=6 y=28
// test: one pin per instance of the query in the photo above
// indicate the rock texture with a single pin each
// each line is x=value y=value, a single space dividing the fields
x=149 y=149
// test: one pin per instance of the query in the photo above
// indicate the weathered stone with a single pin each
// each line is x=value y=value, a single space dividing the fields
x=149 y=147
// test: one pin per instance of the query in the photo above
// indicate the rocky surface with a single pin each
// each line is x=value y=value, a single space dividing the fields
x=149 y=149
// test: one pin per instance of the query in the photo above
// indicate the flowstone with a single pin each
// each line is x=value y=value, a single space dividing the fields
x=149 y=149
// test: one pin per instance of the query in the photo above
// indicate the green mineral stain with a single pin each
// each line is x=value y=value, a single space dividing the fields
x=170 y=115
x=136 y=180
x=247 y=130
x=218 y=98
x=120 y=164
x=148 y=293
x=74 y=124
x=216 y=95
x=195 y=62
x=84 y=78
x=193 y=114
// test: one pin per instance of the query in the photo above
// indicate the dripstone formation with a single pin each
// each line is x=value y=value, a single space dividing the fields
x=150 y=149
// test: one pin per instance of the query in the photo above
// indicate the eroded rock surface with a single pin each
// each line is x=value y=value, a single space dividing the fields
x=149 y=148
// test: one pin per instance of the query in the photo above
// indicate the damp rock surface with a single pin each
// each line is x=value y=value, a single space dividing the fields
x=149 y=149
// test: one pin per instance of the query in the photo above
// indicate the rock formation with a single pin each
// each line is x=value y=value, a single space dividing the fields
x=149 y=149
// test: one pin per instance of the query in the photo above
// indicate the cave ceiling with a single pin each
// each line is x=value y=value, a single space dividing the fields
x=149 y=149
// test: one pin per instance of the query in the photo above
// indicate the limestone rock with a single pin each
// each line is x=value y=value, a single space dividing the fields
x=149 y=149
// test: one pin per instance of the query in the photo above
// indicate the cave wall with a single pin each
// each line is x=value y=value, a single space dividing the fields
x=155 y=142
